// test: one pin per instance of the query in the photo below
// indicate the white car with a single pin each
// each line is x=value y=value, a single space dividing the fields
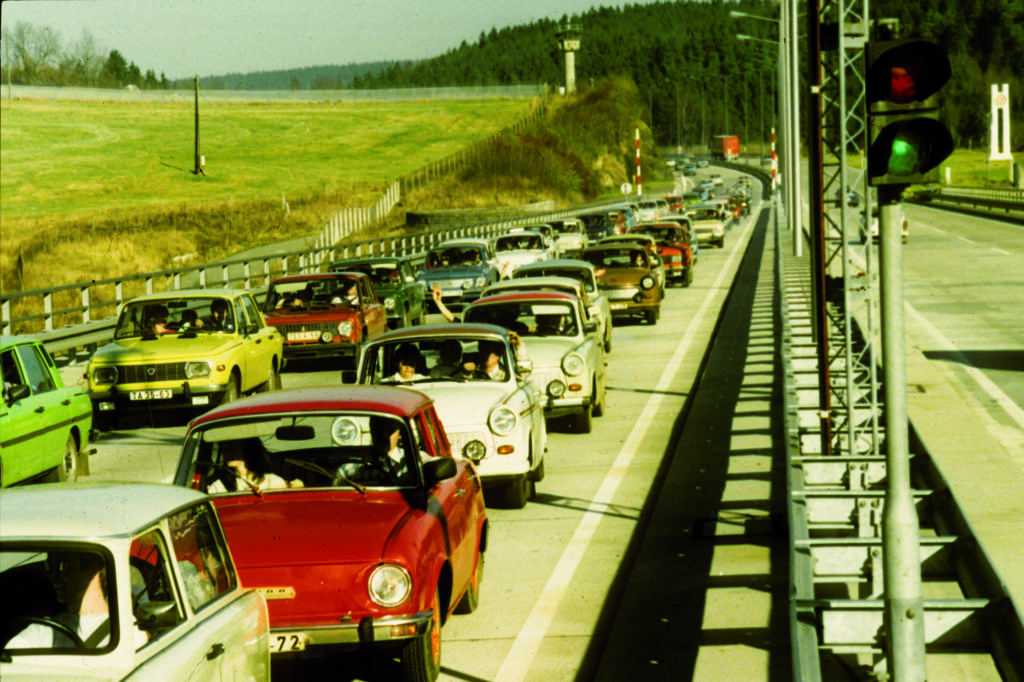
x=123 y=581
x=708 y=221
x=582 y=271
x=649 y=211
x=494 y=419
x=546 y=230
x=520 y=248
x=572 y=238
x=567 y=357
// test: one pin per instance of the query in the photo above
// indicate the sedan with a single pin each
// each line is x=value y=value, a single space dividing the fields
x=567 y=358
x=583 y=272
x=628 y=276
x=492 y=418
x=462 y=267
x=344 y=506
x=123 y=581
x=43 y=423
x=520 y=248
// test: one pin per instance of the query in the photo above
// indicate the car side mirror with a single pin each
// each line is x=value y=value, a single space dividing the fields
x=18 y=392
x=590 y=326
x=157 y=615
x=348 y=376
x=524 y=368
x=439 y=469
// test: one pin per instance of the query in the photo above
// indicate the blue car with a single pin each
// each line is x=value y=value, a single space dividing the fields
x=598 y=225
x=462 y=267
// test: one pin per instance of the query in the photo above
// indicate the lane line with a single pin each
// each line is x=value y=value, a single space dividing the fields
x=520 y=657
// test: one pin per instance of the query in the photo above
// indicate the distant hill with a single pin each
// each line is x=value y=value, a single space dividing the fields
x=327 y=77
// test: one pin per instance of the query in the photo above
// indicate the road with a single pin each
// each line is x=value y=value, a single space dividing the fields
x=551 y=565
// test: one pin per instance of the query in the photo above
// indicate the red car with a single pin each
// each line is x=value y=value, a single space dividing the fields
x=345 y=508
x=674 y=248
x=324 y=314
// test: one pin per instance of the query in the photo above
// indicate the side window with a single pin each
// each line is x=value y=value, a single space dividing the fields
x=12 y=373
x=154 y=607
x=366 y=291
x=250 y=309
x=37 y=372
x=240 y=321
x=201 y=556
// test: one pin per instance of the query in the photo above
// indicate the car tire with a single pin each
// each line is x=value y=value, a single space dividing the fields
x=515 y=494
x=104 y=422
x=273 y=382
x=421 y=658
x=67 y=470
x=401 y=321
x=608 y=339
x=721 y=243
x=471 y=597
x=538 y=474
x=650 y=317
x=585 y=419
x=231 y=393
x=688 y=280
x=598 y=402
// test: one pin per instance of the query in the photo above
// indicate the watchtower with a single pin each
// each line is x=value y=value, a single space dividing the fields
x=569 y=42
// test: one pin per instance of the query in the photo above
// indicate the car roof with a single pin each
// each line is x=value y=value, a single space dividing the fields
x=190 y=293
x=319 y=275
x=87 y=509
x=556 y=263
x=371 y=261
x=442 y=331
x=463 y=242
x=545 y=280
x=19 y=340
x=519 y=232
x=524 y=296
x=398 y=402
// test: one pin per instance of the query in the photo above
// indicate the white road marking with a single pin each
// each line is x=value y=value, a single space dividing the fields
x=1001 y=252
x=1004 y=401
x=516 y=665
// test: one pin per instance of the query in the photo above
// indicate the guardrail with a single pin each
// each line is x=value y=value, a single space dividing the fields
x=1008 y=200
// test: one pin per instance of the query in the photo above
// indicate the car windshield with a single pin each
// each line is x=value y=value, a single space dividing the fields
x=465 y=358
x=618 y=258
x=547 y=318
x=154 y=317
x=56 y=599
x=566 y=227
x=381 y=274
x=319 y=292
x=455 y=256
x=704 y=214
x=661 y=234
x=519 y=242
x=304 y=450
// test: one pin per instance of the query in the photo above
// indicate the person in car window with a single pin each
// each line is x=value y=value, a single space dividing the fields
x=408 y=358
x=79 y=583
x=157 y=320
x=450 y=359
x=248 y=461
x=219 y=319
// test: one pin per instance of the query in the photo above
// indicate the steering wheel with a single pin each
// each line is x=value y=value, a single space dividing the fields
x=377 y=465
x=60 y=627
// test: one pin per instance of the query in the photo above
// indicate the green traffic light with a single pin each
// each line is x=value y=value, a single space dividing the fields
x=904 y=158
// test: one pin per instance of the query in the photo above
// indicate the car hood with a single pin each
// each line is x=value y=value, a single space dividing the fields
x=548 y=351
x=461 y=404
x=452 y=273
x=300 y=315
x=293 y=527
x=165 y=348
x=623 y=277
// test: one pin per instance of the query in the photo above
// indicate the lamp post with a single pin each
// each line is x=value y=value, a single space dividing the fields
x=703 y=119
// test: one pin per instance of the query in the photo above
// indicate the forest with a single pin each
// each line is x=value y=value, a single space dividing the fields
x=697 y=79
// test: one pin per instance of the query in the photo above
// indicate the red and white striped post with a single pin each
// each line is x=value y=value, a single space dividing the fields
x=775 y=163
x=639 y=184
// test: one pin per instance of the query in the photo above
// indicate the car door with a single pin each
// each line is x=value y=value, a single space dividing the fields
x=415 y=291
x=256 y=341
x=373 y=311
x=34 y=429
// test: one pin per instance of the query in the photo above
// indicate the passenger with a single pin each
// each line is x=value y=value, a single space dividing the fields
x=157 y=320
x=79 y=583
x=488 y=361
x=248 y=460
x=450 y=360
x=220 y=317
x=550 y=325
x=385 y=464
x=349 y=294
x=190 y=319
x=408 y=358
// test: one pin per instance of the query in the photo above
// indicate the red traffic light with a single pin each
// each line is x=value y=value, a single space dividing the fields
x=905 y=72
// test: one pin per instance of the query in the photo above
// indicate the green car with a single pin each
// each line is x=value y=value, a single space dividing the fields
x=396 y=286
x=43 y=423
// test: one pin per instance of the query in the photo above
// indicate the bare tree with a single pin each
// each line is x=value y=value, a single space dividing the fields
x=84 y=61
x=34 y=50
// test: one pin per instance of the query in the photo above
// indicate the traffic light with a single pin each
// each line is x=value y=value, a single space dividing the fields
x=908 y=142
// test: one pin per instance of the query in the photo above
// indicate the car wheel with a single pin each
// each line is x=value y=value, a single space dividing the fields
x=649 y=317
x=471 y=598
x=608 y=339
x=689 y=277
x=421 y=658
x=538 y=474
x=103 y=422
x=231 y=392
x=273 y=382
x=585 y=419
x=516 y=493
x=401 y=321
x=598 y=402
x=721 y=243
x=67 y=470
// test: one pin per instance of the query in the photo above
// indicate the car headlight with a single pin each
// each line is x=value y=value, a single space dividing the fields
x=389 y=585
x=344 y=431
x=556 y=389
x=647 y=282
x=503 y=421
x=197 y=370
x=474 y=451
x=389 y=303
x=573 y=364
x=326 y=337
x=345 y=328
x=481 y=282
x=675 y=259
x=104 y=375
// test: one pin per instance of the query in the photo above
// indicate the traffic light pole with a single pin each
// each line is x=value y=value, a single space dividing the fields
x=904 y=605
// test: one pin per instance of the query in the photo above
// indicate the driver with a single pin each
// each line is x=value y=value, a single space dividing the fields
x=79 y=583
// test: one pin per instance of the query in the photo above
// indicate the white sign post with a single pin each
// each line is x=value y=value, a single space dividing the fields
x=1000 y=147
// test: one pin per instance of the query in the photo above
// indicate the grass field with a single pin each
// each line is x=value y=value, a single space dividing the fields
x=79 y=158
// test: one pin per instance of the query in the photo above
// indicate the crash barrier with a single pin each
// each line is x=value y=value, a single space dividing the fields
x=1007 y=200
x=835 y=505
x=87 y=309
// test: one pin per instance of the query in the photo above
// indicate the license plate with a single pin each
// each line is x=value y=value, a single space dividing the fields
x=303 y=336
x=451 y=292
x=155 y=394
x=287 y=641
x=619 y=306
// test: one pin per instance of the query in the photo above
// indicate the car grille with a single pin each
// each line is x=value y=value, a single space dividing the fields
x=458 y=441
x=330 y=327
x=145 y=374
x=623 y=294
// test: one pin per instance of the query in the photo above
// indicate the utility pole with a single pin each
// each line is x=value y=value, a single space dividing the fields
x=198 y=168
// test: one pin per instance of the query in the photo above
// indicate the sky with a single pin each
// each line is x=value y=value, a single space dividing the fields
x=182 y=38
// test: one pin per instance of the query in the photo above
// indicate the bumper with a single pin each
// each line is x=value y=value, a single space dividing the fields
x=120 y=400
x=624 y=309
x=560 y=407
x=319 y=350
x=368 y=630
x=495 y=466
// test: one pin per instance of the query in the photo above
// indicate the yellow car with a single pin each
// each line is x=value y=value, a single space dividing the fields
x=183 y=349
